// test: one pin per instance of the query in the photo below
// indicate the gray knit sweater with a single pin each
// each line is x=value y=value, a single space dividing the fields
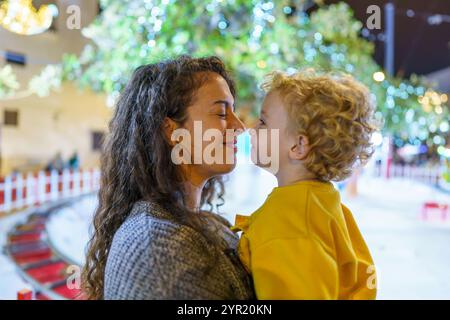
x=153 y=257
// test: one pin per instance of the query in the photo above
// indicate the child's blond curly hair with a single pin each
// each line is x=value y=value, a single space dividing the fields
x=335 y=112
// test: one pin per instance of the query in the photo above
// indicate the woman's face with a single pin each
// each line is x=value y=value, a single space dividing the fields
x=213 y=127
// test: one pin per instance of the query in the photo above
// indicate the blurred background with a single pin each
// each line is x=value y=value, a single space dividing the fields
x=63 y=64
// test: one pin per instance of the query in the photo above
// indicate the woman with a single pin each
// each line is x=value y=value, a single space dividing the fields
x=151 y=240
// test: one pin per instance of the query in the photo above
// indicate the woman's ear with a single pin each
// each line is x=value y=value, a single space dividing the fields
x=300 y=149
x=169 y=127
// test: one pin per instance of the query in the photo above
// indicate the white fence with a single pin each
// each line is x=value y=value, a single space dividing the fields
x=426 y=174
x=18 y=191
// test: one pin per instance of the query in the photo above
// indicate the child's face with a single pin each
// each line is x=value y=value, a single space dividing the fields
x=270 y=139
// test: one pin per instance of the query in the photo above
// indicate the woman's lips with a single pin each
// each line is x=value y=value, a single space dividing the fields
x=230 y=141
x=232 y=145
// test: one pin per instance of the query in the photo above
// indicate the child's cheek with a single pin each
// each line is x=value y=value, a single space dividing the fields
x=260 y=146
x=254 y=145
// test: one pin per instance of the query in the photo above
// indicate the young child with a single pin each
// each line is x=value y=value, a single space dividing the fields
x=303 y=243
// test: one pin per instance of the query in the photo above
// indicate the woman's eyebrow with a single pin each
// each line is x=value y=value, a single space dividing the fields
x=225 y=102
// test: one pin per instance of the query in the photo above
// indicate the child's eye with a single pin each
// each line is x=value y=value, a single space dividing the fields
x=222 y=115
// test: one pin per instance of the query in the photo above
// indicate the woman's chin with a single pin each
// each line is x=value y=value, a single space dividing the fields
x=220 y=169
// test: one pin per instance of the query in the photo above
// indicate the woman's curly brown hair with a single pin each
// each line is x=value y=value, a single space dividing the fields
x=136 y=157
x=335 y=112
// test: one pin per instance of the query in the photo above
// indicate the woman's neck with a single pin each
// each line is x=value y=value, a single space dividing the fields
x=193 y=188
x=193 y=195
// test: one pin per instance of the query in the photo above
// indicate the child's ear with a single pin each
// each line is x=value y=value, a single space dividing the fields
x=300 y=149
x=169 y=127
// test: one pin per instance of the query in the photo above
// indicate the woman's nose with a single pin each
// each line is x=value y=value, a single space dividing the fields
x=236 y=123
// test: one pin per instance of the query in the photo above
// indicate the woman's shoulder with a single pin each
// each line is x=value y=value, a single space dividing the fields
x=148 y=249
x=142 y=248
x=149 y=224
x=151 y=220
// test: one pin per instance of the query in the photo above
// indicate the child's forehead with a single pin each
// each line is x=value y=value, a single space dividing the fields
x=272 y=103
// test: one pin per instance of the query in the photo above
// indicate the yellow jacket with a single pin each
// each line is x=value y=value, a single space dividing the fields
x=304 y=244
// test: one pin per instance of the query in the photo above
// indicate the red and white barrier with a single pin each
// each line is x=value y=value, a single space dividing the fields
x=20 y=190
x=428 y=174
